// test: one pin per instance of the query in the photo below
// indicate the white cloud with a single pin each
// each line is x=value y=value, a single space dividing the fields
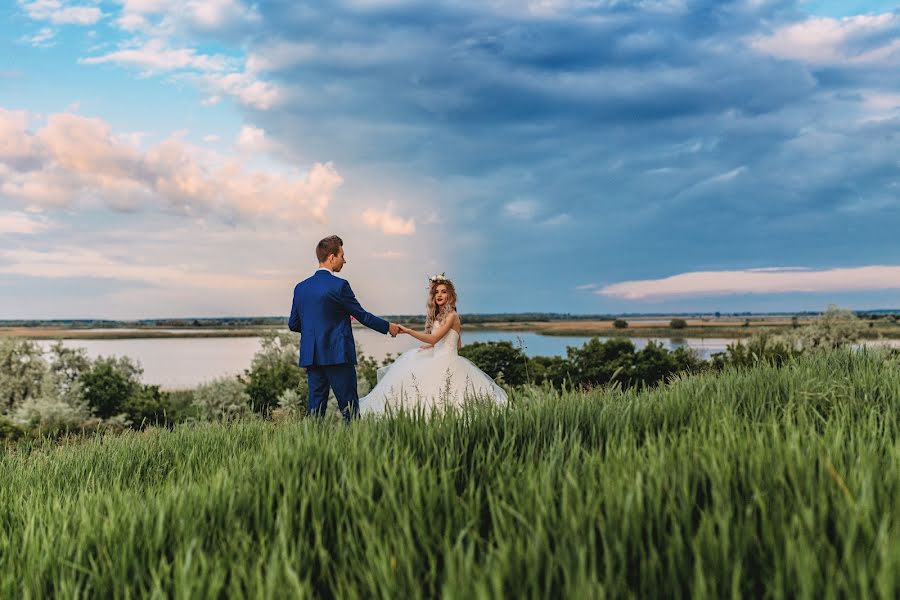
x=390 y=255
x=557 y=220
x=211 y=138
x=74 y=160
x=208 y=16
x=76 y=262
x=771 y=280
x=858 y=39
x=59 y=13
x=248 y=90
x=387 y=222
x=254 y=140
x=278 y=55
x=43 y=38
x=156 y=56
x=22 y=223
x=587 y=286
x=521 y=209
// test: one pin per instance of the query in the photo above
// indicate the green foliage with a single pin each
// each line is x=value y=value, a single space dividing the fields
x=23 y=372
x=552 y=370
x=761 y=347
x=599 y=363
x=367 y=367
x=620 y=324
x=108 y=383
x=149 y=406
x=678 y=323
x=495 y=358
x=9 y=430
x=273 y=371
x=223 y=399
x=834 y=328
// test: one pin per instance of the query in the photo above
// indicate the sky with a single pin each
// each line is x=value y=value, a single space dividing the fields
x=181 y=158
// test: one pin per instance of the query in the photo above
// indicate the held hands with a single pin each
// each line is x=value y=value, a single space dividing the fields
x=394 y=329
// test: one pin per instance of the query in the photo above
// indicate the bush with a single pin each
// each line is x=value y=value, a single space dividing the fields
x=620 y=324
x=224 y=399
x=553 y=370
x=367 y=368
x=109 y=383
x=273 y=371
x=49 y=415
x=677 y=323
x=759 y=348
x=9 y=430
x=22 y=372
x=495 y=358
x=149 y=406
x=598 y=363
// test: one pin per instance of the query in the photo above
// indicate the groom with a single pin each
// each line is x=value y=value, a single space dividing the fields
x=321 y=314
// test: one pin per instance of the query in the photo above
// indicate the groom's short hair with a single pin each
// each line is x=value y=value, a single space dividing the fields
x=328 y=246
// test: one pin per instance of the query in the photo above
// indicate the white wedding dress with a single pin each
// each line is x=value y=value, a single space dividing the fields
x=434 y=378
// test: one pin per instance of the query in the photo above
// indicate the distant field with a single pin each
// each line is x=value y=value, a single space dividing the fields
x=766 y=483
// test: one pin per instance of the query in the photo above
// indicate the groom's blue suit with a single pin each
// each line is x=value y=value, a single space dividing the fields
x=321 y=314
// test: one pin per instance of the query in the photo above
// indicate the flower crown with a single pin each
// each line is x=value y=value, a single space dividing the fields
x=436 y=279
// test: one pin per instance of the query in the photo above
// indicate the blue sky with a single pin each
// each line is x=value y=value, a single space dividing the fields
x=163 y=158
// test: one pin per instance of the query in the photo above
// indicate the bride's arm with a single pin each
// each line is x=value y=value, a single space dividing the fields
x=433 y=337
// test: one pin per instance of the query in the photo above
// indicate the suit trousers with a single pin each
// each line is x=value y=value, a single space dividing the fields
x=341 y=379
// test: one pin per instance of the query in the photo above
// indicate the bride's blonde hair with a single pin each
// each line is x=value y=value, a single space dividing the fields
x=433 y=312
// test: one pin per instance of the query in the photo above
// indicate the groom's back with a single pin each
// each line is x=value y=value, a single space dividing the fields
x=324 y=324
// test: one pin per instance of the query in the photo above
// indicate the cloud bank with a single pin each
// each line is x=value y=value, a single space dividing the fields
x=771 y=280
x=72 y=161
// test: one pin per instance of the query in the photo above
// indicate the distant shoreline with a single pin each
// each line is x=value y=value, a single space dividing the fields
x=657 y=328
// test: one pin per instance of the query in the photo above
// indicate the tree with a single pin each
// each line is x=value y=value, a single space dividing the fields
x=620 y=324
x=495 y=358
x=677 y=323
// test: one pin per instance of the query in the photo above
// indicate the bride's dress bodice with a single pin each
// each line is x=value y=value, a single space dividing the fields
x=447 y=344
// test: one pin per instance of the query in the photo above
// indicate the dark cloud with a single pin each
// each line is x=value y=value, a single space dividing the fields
x=651 y=137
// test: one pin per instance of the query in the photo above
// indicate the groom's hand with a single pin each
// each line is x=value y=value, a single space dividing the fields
x=393 y=329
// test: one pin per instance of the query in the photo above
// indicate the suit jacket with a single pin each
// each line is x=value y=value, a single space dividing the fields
x=321 y=314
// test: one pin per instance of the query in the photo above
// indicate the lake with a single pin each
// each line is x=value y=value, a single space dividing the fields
x=176 y=363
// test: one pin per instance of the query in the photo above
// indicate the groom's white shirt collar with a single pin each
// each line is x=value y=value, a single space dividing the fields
x=324 y=269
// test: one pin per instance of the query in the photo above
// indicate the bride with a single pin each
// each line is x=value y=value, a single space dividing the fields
x=434 y=375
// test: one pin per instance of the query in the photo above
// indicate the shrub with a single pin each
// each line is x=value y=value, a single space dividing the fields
x=367 y=369
x=109 y=383
x=549 y=369
x=495 y=358
x=50 y=415
x=620 y=324
x=223 y=399
x=9 y=430
x=22 y=372
x=677 y=323
x=149 y=406
x=597 y=363
x=274 y=370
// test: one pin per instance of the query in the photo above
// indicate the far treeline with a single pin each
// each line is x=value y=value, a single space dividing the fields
x=469 y=318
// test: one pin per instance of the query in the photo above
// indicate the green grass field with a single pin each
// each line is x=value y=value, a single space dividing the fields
x=763 y=483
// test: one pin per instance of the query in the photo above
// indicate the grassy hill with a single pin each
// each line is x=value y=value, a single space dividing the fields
x=767 y=482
